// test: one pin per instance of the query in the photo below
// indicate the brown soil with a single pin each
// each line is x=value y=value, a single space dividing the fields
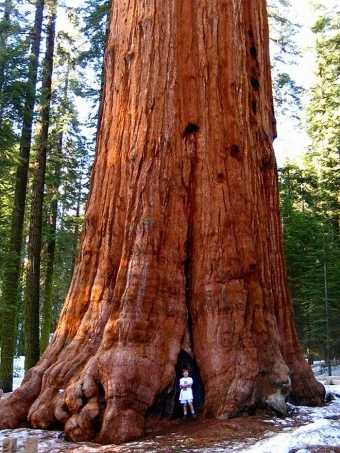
x=174 y=436
x=210 y=431
x=207 y=433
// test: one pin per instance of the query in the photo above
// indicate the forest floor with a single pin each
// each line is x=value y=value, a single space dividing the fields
x=254 y=434
x=314 y=430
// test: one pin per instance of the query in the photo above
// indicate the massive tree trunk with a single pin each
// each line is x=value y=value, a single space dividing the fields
x=181 y=257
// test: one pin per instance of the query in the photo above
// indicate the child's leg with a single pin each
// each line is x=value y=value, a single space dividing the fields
x=185 y=413
x=192 y=410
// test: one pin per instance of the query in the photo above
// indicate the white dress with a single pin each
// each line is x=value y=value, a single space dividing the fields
x=186 y=393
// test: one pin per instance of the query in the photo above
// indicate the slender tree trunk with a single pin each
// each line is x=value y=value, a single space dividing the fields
x=13 y=264
x=78 y=208
x=46 y=311
x=181 y=256
x=32 y=305
x=3 y=45
x=46 y=318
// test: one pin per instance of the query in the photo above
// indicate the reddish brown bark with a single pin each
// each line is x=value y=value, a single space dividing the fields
x=181 y=253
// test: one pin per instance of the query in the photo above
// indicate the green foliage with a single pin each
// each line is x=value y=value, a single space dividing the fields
x=284 y=51
x=70 y=155
x=310 y=204
x=324 y=112
x=282 y=29
x=13 y=71
x=14 y=62
x=67 y=181
x=287 y=94
x=95 y=15
x=312 y=250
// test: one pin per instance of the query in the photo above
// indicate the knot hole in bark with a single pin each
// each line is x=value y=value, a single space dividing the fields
x=235 y=152
x=267 y=162
x=220 y=177
x=254 y=83
x=253 y=51
x=190 y=129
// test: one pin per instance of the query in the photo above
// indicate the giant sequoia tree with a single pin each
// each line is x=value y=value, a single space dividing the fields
x=181 y=256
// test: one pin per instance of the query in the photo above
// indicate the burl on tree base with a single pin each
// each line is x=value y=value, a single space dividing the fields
x=181 y=256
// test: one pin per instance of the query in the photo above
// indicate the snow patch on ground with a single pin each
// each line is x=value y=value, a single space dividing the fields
x=321 y=429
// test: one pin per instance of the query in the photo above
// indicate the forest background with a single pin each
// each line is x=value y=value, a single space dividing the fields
x=51 y=55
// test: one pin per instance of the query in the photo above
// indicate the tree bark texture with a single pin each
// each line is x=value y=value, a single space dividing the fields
x=181 y=253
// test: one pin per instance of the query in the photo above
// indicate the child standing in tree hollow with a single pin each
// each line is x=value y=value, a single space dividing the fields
x=186 y=396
